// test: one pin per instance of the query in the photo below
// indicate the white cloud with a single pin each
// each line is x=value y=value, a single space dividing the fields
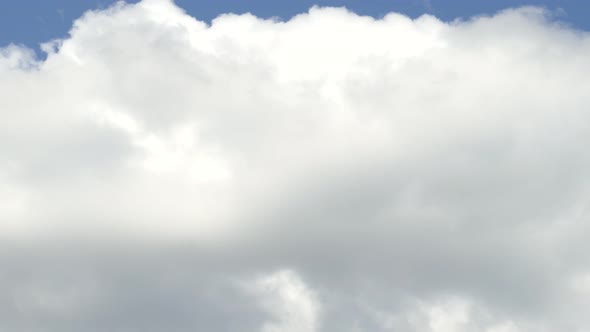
x=389 y=160
x=293 y=306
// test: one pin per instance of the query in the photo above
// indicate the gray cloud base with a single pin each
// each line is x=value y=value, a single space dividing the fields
x=329 y=173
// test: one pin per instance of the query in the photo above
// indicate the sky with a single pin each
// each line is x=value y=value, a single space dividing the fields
x=333 y=172
x=31 y=22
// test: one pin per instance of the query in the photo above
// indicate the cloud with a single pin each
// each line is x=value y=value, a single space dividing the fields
x=391 y=174
x=291 y=302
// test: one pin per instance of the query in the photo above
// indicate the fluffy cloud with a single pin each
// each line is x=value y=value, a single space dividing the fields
x=329 y=173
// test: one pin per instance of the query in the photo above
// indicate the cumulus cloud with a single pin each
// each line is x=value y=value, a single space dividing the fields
x=333 y=172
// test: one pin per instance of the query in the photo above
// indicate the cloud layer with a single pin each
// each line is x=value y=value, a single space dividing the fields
x=329 y=173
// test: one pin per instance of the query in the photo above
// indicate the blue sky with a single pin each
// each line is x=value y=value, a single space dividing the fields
x=31 y=22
